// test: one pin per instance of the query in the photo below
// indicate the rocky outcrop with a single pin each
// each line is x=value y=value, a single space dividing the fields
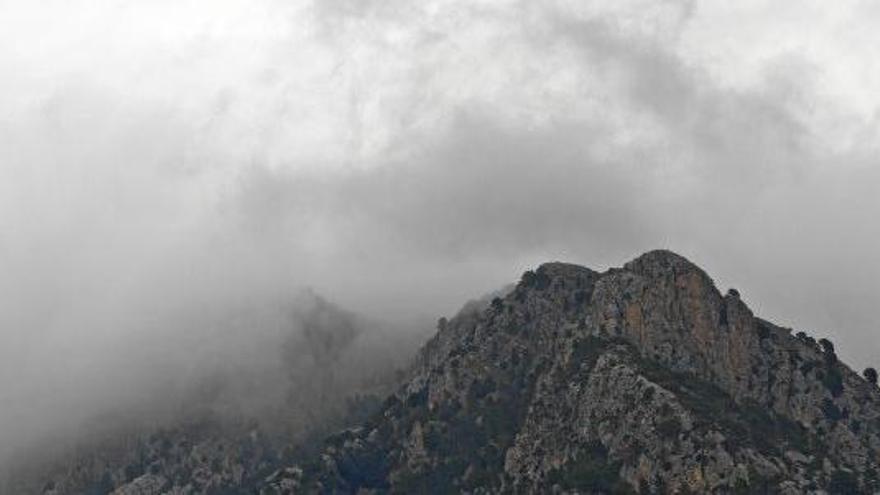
x=640 y=379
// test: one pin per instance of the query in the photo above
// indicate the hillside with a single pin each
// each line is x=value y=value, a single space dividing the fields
x=641 y=379
x=229 y=424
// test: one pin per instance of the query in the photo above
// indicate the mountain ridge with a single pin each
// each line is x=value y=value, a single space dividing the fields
x=643 y=378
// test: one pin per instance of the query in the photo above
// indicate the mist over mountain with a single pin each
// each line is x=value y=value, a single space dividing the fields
x=228 y=222
x=282 y=375
x=639 y=379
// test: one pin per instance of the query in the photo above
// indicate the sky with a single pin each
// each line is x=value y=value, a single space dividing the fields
x=165 y=159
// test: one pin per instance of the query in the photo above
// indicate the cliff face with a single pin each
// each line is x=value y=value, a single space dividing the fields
x=641 y=379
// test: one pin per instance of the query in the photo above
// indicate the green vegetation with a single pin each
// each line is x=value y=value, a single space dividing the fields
x=833 y=380
x=832 y=412
x=843 y=483
x=417 y=399
x=828 y=349
x=870 y=375
x=591 y=471
x=497 y=304
x=464 y=441
x=586 y=351
x=104 y=486
x=536 y=280
x=746 y=424
x=757 y=483
x=808 y=366
x=133 y=470
x=669 y=428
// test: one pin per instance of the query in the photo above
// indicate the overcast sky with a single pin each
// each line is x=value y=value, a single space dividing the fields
x=401 y=157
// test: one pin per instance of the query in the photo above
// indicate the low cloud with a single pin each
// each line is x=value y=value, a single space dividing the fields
x=157 y=184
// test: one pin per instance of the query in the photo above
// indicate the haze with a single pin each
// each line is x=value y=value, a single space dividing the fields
x=166 y=167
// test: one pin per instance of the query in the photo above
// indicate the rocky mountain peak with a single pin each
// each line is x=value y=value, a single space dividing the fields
x=640 y=379
x=660 y=262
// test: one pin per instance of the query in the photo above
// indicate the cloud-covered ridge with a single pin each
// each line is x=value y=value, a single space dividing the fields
x=177 y=158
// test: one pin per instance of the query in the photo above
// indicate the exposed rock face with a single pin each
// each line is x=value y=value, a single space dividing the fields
x=642 y=379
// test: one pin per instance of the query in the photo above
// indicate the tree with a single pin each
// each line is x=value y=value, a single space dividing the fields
x=104 y=486
x=870 y=374
x=827 y=346
x=828 y=349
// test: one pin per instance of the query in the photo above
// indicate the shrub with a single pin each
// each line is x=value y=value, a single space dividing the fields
x=592 y=470
x=807 y=367
x=669 y=427
x=538 y=279
x=833 y=381
x=828 y=349
x=104 y=486
x=832 y=412
x=481 y=388
x=418 y=399
x=843 y=483
x=133 y=470
x=870 y=375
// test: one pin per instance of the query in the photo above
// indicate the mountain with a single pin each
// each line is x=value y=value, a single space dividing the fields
x=231 y=422
x=641 y=379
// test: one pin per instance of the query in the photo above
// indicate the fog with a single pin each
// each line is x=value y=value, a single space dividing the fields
x=177 y=177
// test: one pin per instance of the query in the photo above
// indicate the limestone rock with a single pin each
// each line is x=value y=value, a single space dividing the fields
x=641 y=379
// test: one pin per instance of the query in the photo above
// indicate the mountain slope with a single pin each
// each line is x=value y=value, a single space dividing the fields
x=232 y=422
x=642 y=379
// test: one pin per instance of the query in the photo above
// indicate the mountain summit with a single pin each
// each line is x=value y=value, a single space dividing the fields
x=641 y=379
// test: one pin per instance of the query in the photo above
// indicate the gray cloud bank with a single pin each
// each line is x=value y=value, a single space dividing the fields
x=401 y=159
